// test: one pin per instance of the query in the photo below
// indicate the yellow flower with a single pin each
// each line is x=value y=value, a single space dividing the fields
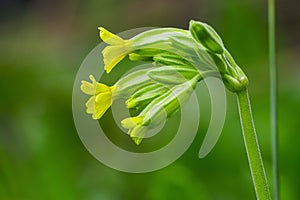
x=118 y=48
x=131 y=122
x=101 y=98
x=135 y=127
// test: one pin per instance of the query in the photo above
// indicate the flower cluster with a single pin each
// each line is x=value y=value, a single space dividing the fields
x=180 y=58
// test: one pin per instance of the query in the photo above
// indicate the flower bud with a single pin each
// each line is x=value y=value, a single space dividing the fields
x=170 y=102
x=145 y=54
x=219 y=61
x=207 y=36
x=141 y=101
x=131 y=82
x=172 y=74
x=170 y=59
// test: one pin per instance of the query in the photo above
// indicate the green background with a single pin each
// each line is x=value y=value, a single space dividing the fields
x=42 y=44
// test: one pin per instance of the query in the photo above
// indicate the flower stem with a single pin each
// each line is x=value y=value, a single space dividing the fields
x=252 y=148
x=273 y=97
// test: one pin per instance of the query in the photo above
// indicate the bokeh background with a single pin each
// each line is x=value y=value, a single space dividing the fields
x=42 y=44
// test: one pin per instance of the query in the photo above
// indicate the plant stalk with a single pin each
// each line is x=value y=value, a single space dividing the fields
x=273 y=96
x=252 y=148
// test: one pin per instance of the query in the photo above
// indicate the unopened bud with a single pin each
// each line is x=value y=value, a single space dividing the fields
x=207 y=36
x=172 y=74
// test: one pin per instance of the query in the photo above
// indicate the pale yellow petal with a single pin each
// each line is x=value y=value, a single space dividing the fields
x=103 y=97
x=109 y=37
x=131 y=122
x=102 y=103
x=88 y=88
x=137 y=140
x=112 y=55
x=102 y=88
x=90 y=105
x=94 y=87
x=137 y=134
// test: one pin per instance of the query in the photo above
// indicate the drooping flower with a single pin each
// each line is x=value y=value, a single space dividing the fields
x=136 y=129
x=174 y=44
x=180 y=59
x=118 y=48
x=101 y=98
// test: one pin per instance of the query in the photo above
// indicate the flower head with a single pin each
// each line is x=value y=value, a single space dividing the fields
x=101 y=98
x=180 y=59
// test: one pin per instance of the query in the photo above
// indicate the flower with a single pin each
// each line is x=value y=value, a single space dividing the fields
x=101 y=98
x=181 y=58
x=118 y=48
x=161 y=44
x=103 y=95
x=136 y=129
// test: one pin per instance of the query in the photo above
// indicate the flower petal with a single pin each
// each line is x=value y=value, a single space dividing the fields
x=137 y=134
x=102 y=103
x=109 y=37
x=131 y=122
x=112 y=55
x=88 y=88
x=90 y=105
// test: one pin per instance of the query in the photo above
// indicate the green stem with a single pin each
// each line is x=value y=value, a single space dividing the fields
x=252 y=148
x=273 y=96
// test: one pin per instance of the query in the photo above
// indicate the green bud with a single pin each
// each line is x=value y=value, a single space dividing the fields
x=170 y=59
x=146 y=54
x=207 y=36
x=141 y=101
x=169 y=103
x=220 y=63
x=137 y=57
x=172 y=74
x=131 y=82
x=235 y=84
x=234 y=78
x=147 y=88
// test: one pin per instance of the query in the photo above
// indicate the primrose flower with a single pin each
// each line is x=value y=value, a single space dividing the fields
x=180 y=58
x=136 y=129
x=103 y=95
x=176 y=44
x=116 y=51
x=101 y=98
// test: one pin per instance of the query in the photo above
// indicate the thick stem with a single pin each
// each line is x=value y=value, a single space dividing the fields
x=252 y=147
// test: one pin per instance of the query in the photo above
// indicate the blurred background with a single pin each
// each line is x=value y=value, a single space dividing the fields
x=42 y=44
